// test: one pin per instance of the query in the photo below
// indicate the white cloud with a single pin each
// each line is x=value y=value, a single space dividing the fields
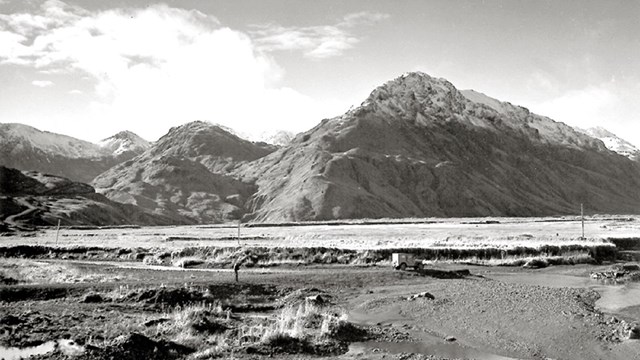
x=316 y=42
x=75 y=92
x=363 y=18
x=160 y=66
x=584 y=107
x=595 y=105
x=42 y=83
x=12 y=48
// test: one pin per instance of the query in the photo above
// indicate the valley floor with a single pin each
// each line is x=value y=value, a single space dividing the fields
x=493 y=313
x=325 y=291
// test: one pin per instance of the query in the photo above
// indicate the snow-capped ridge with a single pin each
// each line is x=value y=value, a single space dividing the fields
x=123 y=142
x=520 y=118
x=613 y=142
x=421 y=99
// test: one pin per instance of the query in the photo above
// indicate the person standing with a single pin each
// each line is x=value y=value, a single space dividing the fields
x=237 y=264
x=236 y=267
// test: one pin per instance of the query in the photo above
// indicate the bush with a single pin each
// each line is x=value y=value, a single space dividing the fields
x=536 y=263
x=188 y=262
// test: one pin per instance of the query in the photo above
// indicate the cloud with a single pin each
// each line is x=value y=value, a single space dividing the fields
x=363 y=18
x=12 y=49
x=600 y=105
x=585 y=107
x=42 y=83
x=75 y=92
x=162 y=65
x=315 y=42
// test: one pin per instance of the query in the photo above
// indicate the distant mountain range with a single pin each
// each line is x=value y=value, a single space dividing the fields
x=29 y=199
x=415 y=147
x=26 y=148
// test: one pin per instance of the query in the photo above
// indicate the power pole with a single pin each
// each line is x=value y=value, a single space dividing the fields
x=239 y=232
x=582 y=217
x=57 y=232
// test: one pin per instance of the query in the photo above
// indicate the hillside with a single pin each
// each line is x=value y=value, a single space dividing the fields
x=185 y=175
x=26 y=148
x=614 y=142
x=419 y=147
x=29 y=198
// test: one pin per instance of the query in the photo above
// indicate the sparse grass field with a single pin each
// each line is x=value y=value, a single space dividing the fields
x=505 y=241
x=464 y=232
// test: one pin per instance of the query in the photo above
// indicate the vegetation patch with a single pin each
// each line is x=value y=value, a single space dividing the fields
x=136 y=346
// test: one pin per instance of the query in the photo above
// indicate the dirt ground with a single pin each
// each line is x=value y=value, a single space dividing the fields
x=489 y=314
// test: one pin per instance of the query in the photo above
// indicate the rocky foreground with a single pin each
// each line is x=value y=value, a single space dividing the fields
x=307 y=312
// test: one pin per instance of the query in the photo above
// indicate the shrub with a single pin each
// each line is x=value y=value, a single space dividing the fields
x=536 y=263
x=187 y=262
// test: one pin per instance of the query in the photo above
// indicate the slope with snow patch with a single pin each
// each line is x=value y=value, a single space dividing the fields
x=614 y=142
x=124 y=142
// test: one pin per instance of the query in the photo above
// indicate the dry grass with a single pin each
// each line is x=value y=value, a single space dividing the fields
x=301 y=326
x=305 y=321
x=416 y=233
x=460 y=240
x=42 y=272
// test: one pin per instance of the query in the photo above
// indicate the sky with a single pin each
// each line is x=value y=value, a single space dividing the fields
x=91 y=68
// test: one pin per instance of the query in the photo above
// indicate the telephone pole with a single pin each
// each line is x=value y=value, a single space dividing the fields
x=57 y=232
x=582 y=217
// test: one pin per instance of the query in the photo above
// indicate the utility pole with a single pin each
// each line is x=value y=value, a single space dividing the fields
x=239 y=232
x=582 y=217
x=57 y=232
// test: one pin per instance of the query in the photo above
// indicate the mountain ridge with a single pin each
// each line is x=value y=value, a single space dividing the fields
x=124 y=142
x=417 y=147
x=186 y=174
x=614 y=142
x=30 y=198
x=27 y=148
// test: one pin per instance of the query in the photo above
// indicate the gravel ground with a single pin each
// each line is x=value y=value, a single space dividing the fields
x=512 y=320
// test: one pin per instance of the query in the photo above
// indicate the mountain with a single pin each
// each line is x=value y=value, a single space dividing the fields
x=271 y=137
x=278 y=138
x=123 y=143
x=614 y=143
x=548 y=130
x=552 y=128
x=185 y=175
x=418 y=147
x=27 y=148
x=29 y=198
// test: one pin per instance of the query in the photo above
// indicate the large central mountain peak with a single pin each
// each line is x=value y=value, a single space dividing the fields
x=415 y=93
x=414 y=83
x=417 y=146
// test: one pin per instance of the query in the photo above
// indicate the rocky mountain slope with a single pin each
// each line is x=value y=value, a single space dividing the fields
x=185 y=175
x=419 y=147
x=552 y=129
x=29 y=198
x=27 y=148
x=614 y=142
x=125 y=143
